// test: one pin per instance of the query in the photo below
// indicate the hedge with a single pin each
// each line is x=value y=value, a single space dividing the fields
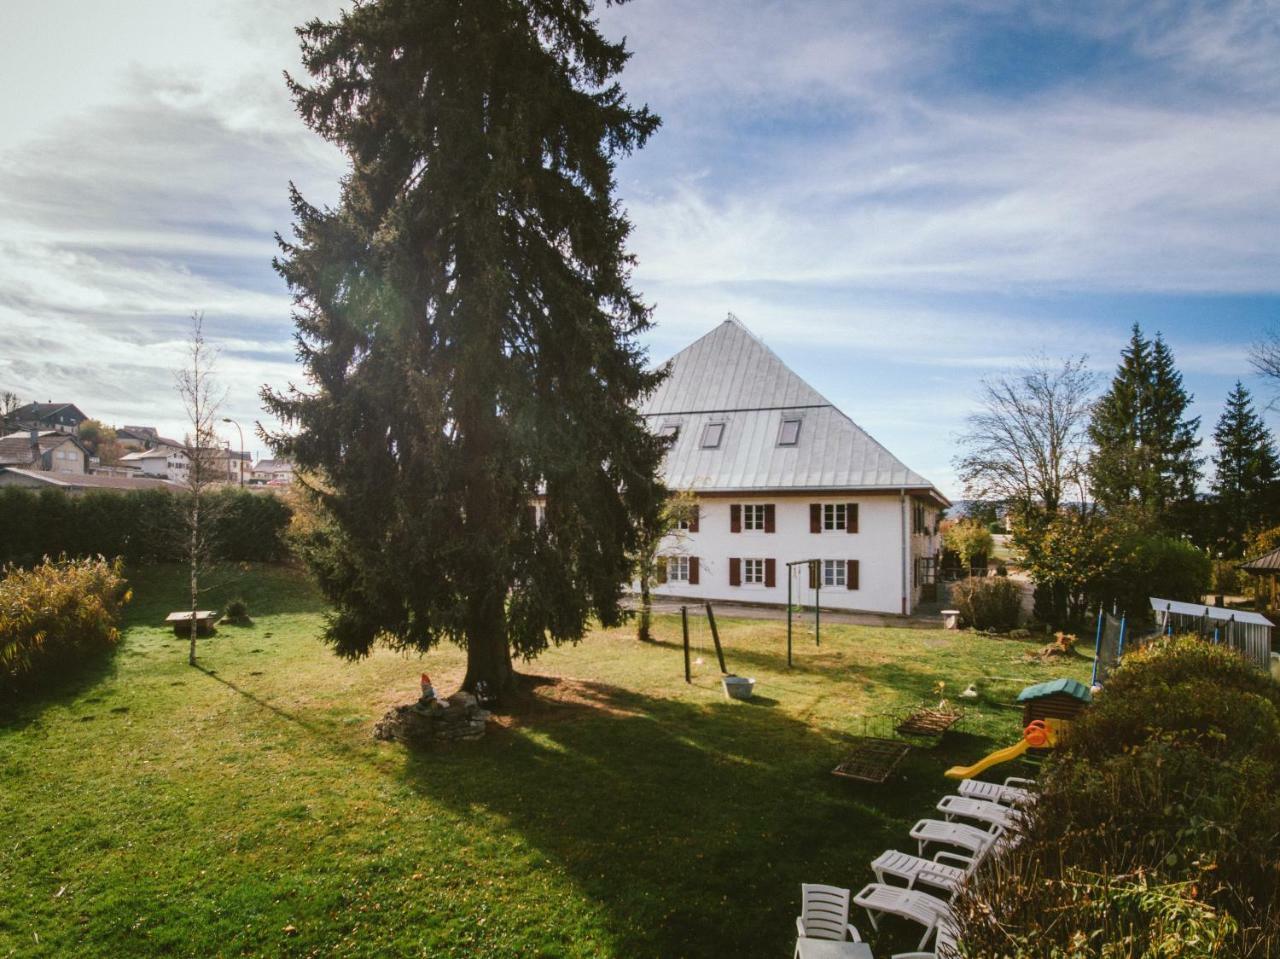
x=142 y=527
x=1156 y=828
x=56 y=615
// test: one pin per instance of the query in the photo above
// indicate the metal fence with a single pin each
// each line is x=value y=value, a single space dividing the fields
x=1252 y=640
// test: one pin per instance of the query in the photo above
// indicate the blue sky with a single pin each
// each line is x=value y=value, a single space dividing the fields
x=900 y=197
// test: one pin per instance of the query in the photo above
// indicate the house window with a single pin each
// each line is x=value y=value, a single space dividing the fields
x=684 y=525
x=753 y=571
x=712 y=435
x=834 y=516
x=918 y=524
x=753 y=516
x=669 y=431
x=789 y=433
x=678 y=569
x=833 y=572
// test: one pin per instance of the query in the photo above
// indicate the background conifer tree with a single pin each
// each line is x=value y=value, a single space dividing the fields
x=1245 y=472
x=468 y=329
x=1145 y=446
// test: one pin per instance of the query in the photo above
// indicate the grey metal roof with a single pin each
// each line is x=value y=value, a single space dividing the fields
x=1216 y=613
x=730 y=376
x=1266 y=563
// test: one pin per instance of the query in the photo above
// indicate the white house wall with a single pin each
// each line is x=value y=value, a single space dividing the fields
x=879 y=546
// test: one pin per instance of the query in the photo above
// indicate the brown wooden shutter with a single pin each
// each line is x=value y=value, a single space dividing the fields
x=735 y=572
x=815 y=517
x=693 y=571
x=661 y=571
x=814 y=572
x=851 y=517
x=771 y=570
x=693 y=519
x=735 y=518
x=769 y=518
x=851 y=574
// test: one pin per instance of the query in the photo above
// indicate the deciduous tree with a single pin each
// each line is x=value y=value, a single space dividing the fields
x=468 y=328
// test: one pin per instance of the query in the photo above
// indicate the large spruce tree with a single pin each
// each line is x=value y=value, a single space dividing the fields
x=1145 y=449
x=468 y=329
x=1246 y=470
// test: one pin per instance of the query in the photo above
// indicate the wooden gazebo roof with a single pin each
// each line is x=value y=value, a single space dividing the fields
x=1266 y=563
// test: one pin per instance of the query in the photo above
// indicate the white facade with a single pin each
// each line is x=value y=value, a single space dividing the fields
x=884 y=584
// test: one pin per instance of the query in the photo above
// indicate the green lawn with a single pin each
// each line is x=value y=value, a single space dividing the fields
x=151 y=809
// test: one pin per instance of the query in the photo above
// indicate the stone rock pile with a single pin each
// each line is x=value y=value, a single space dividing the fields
x=432 y=720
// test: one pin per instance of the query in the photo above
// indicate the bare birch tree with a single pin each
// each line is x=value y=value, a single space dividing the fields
x=1264 y=356
x=201 y=399
x=1026 y=444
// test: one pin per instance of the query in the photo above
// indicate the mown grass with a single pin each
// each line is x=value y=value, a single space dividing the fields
x=243 y=808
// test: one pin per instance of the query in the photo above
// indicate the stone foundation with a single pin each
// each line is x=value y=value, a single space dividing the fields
x=434 y=721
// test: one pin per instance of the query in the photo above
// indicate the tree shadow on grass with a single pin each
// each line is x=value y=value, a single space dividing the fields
x=690 y=826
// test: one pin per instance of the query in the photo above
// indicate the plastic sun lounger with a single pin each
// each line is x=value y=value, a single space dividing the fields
x=944 y=947
x=990 y=814
x=1015 y=791
x=824 y=914
x=879 y=899
x=946 y=870
x=978 y=842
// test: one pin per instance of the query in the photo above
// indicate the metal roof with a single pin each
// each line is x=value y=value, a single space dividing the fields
x=1069 y=686
x=1216 y=613
x=1266 y=563
x=730 y=376
x=88 y=481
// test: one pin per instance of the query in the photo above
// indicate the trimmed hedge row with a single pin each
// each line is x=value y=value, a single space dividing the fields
x=1156 y=830
x=142 y=527
x=56 y=615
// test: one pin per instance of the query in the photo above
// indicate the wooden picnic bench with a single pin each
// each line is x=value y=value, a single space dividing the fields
x=205 y=619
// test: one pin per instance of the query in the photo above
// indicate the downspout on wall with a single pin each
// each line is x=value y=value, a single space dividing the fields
x=902 y=498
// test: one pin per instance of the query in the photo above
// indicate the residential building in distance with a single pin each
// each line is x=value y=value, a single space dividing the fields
x=46 y=451
x=62 y=417
x=273 y=472
x=781 y=476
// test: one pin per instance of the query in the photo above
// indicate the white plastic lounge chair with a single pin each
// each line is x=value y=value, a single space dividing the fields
x=944 y=947
x=824 y=914
x=989 y=814
x=879 y=899
x=977 y=842
x=946 y=870
x=1015 y=791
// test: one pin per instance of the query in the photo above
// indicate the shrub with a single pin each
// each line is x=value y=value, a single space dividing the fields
x=1154 y=833
x=969 y=540
x=55 y=614
x=988 y=602
x=237 y=613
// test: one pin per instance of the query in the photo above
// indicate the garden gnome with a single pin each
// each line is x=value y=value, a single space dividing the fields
x=428 y=692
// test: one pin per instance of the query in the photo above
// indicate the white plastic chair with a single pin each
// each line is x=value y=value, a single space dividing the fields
x=879 y=899
x=824 y=914
x=944 y=947
x=946 y=870
x=977 y=842
x=990 y=814
x=1015 y=791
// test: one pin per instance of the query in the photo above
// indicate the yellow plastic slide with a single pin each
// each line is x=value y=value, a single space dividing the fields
x=995 y=758
x=1039 y=734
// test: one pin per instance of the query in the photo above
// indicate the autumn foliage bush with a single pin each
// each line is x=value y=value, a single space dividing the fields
x=988 y=602
x=1155 y=833
x=55 y=614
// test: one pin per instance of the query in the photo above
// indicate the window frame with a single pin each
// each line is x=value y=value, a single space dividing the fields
x=747 y=565
x=759 y=513
x=797 y=422
x=835 y=574
x=705 y=443
x=835 y=517
x=675 y=566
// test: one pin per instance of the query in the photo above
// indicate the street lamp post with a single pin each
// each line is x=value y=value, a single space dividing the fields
x=240 y=463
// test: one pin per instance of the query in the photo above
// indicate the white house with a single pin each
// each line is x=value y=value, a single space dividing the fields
x=275 y=472
x=782 y=476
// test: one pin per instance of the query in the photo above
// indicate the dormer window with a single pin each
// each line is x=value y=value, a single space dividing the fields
x=789 y=432
x=712 y=435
